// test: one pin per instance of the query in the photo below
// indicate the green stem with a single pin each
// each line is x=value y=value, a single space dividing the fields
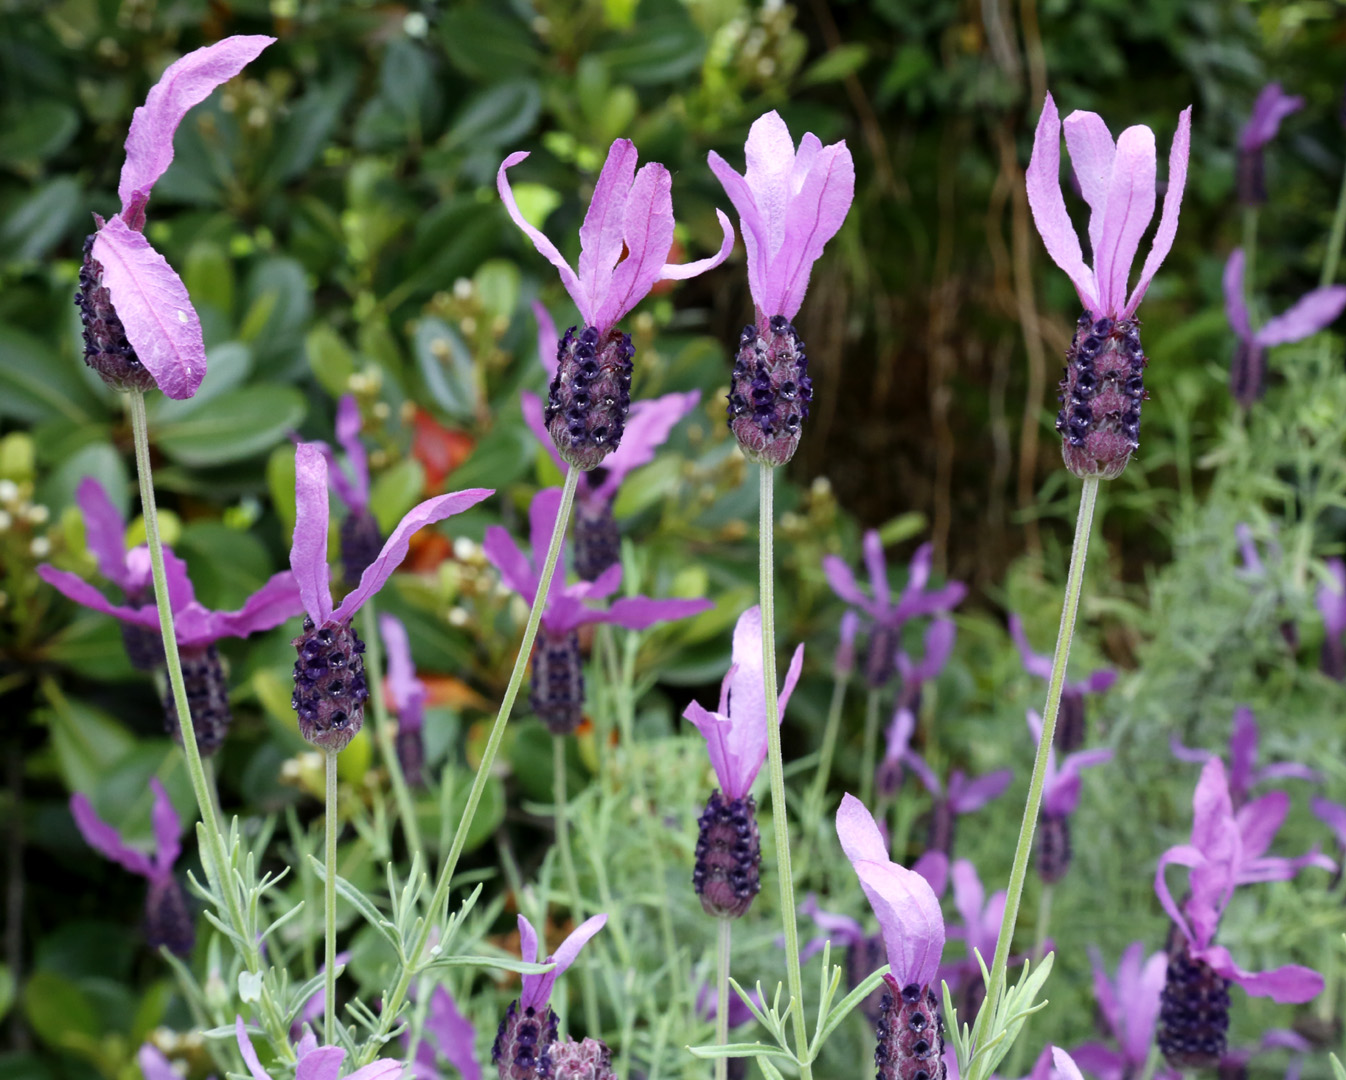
x=869 y=751
x=779 y=817
x=216 y=862
x=1334 y=238
x=329 y=898
x=558 y=743
x=392 y=1004
x=722 y=995
x=819 y=792
x=1074 y=580
x=383 y=735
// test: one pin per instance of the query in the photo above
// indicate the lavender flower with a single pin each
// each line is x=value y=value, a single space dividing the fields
x=964 y=796
x=843 y=660
x=153 y=1064
x=408 y=694
x=523 y=1045
x=1244 y=774
x=1104 y=386
x=1271 y=107
x=1312 y=312
x=1234 y=1064
x=1225 y=850
x=558 y=675
x=980 y=931
x=789 y=205
x=360 y=539
x=1333 y=815
x=728 y=849
x=447 y=1033
x=910 y=1029
x=633 y=212
x=1060 y=797
x=939 y=638
x=315 y=1062
x=597 y=539
x=329 y=677
x=1332 y=607
x=140 y=329
x=1129 y=1006
x=898 y=755
x=588 y=1059
x=168 y=923
x=886 y=618
x=197 y=628
x=1071 y=725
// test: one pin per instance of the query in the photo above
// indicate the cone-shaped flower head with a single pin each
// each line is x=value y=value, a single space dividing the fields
x=1271 y=107
x=1129 y=1005
x=448 y=1034
x=789 y=205
x=1070 y=717
x=885 y=617
x=330 y=688
x=1312 y=312
x=360 y=537
x=408 y=695
x=1103 y=387
x=140 y=329
x=1244 y=775
x=167 y=919
x=314 y=1062
x=1331 y=601
x=626 y=235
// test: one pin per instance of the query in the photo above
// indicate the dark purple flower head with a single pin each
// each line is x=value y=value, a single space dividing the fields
x=448 y=1034
x=1244 y=774
x=1228 y=850
x=1129 y=1006
x=1332 y=607
x=315 y=1062
x=736 y=734
x=537 y=989
x=1312 y=312
x=1061 y=790
x=140 y=328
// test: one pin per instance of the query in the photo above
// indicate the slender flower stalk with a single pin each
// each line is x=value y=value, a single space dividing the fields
x=408 y=704
x=722 y=1002
x=562 y=825
x=869 y=747
x=329 y=894
x=843 y=667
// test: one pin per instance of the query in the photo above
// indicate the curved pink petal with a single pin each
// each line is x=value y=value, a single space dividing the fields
x=408 y=692
x=746 y=688
x=647 y=429
x=245 y=1048
x=153 y=305
x=840 y=928
x=383 y=1069
x=1288 y=985
x=153 y=1064
x=751 y=222
x=544 y=246
x=1179 y=855
x=1065 y=1064
x=537 y=988
x=1092 y=153
x=1271 y=107
x=104 y=530
x=1105 y=994
x=80 y=591
x=601 y=235
x=1034 y=663
x=1235 y=303
x=395 y=550
x=684 y=271
x=877 y=566
x=843 y=660
x=1131 y=198
x=642 y=612
x=528 y=944
x=817 y=211
x=1186 y=753
x=542 y=514
x=791 y=678
x=909 y=918
x=969 y=896
x=547 y=339
x=1168 y=218
x=859 y=834
x=321 y=1063
x=184 y=83
x=719 y=733
x=1311 y=313
x=1331 y=814
x=1242 y=749
x=167 y=829
x=308 y=552
x=515 y=569
x=841 y=579
x=934 y=867
x=274 y=603
x=1100 y=1061
x=648 y=230
x=106 y=840
x=453 y=1033
x=1043 y=181
x=1142 y=1006
x=769 y=156
x=348 y=424
x=1063 y=794
x=966 y=796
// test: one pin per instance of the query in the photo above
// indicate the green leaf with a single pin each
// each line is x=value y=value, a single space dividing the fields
x=446 y=367
x=499 y=963
x=227 y=368
x=659 y=50
x=845 y=1006
x=6 y=990
x=59 y=1012
x=209 y=276
x=738 y=1050
x=330 y=359
x=836 y=64
x=498 y=116
x=38 y=384
x=487 y=44
x=279 y=288
x=1338 y=1070
x=240 y=424
x=87 y=742
x=33 y=132
x=395 y=492
x=500 y=459
x=307 y=128
x=360 y=903
x=99 y=460
x=37 y=223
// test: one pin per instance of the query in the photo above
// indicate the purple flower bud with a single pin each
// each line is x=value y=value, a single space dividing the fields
x=1053 y=850
x=1099 y=420
x=598 y=541
x=728 y=856
x=410 y=746
x=1070 y=720
x=207 y=699
x=590 y=395
x=329 y=683
x=910 y=1032
x=589 y=1059
x=770 y=393
x=106 y=349
x=360 y=543
x=1193 y=1012
x=557 y=693
x=522 y=1048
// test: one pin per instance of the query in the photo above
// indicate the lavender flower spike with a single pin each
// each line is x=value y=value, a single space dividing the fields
x=329 y=677
x=408 y=694
x=1104 y=386
x=140 y=329
x=630 y=212
x=1271 y=107
x=1244 y=774
x=728 y=850
x=557 y=693
x=1332 y=607
x=167 y=919
x=1060 y=797
x=910 y=1029
x=789 y=205
x=314 y=1062
x=1129 y=1006
x=1071 y=721
x=1312 y=312
x=1225 y=850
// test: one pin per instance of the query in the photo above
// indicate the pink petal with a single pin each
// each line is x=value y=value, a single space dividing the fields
x=841 y=928
x=1186 y=753
x=601 y=237
x=383 y=1069
x=1034 y=663
x=1168 y=219
x=245 y=1048
x=1043 y=181
x=1091 y=153
x=841 y=579
x=860 y=837
x=683 y=271
x=308 y=552
x=453 y=1033
x=1235 y=305
x=747 y=692
x=515 y=569
x=969 y=895
x=1104 y=992
x=770 y=155
x=751 y=223
x=1288 y=985
x=348 y=424
x=533 y=414
x=648 y=231
x=816 y=213
x=934 y=867
x=153 y=305
x=718 y=732
x=1331 y=814
x=528 y=944
x=167 y=829
x=271 y=605
x=1100 y=1061
x=154 y=1065
x=1313 y=312
x=1180 y=855
x=80 y=591
x=647 y=429
x=408 y=692
x=1271 y=107
x=1259 y=821
x=974 y=794
x=184 y=83
x=547 y=339
x=1065 y=1064
x=104 y=530
x=106 y=840
x=1142 y=1006
x=321 y=1063
x=1130 y=208
x=877 y=567
x=537 y=988
x=791 y=678
x=544 y=246
x=395 y=550
x=1242 y=749
x=642 y=612
x=909 y=917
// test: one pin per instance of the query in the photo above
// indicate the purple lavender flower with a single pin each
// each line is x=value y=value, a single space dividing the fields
x=1312 y=312
x=843 y=660
x=329 y=677
x=898 y=755
x=728 y=849
x=1071 y=725
x=1332 y=607
x=1271 y=107
x=965 y=795
x=1103 y=387
x=360 y=539
x=197 y=628
x=167 y=919
x=1225 y=850
x=448 y=1034
x=558 y=674
x=140 y=329
x=1129 y=1006
x=910 y=1029
x=522 y=1049
x=408 y=694
x=315 y=1062
x=789 y=205
x=1234 y=1064
x=1244 y=775
x=886 y=618
x=597 y=539
x=1060 y=797
x=153 y=1064
x=630 y=212
x=1333 y=815
x=939 y=638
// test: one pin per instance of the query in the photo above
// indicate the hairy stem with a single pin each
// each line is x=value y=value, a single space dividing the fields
x=819 y=792
x=779 y=816
x=329 y=897
x=722 y=995
x=558 y=743
x=406 y=808
x=870 y=749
